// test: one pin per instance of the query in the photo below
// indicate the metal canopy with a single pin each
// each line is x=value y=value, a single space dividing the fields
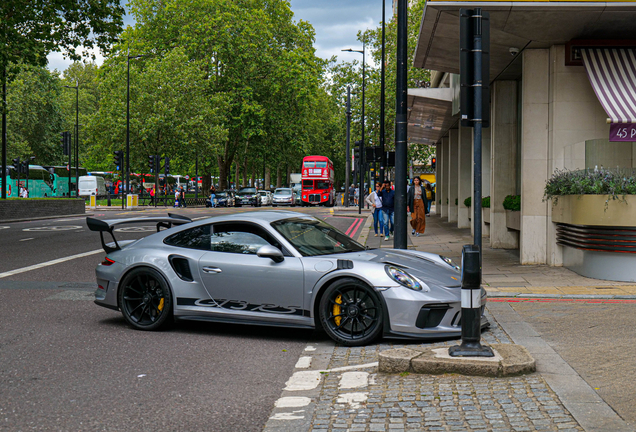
x=518 y=25
x=429 y=114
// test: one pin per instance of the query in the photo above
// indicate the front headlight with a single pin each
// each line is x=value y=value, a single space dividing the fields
x=449 y=262
x=403 y=278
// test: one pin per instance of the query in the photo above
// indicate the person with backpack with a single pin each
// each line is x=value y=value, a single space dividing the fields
x=374 y=200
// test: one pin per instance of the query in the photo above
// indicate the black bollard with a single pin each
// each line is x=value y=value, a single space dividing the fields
x=471 y=307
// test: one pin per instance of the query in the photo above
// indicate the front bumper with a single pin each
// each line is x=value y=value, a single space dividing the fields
x=414 y=315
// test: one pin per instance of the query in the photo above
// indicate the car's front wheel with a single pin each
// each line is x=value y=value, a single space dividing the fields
x=145 y=299
x=351 y=312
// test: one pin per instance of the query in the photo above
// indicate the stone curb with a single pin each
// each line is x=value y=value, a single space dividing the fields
x=511 y=360
x=559 y=296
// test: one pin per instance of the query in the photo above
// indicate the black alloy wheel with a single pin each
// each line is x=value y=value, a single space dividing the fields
x=145 y=299
x=351 y=312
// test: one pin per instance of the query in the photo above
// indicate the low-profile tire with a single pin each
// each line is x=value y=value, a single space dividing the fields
x=351 y=312
x=145 y=299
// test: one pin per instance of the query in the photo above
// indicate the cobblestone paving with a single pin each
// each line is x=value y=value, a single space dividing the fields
x=412 y=402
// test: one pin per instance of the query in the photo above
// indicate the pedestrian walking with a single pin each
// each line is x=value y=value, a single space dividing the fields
x=429 y=198
x=177 y=194
x=152 y=196
x=352 y=192
x=375 y=202
x=388 y=202
x=182 y=198
x=356 y=196
x=416 y=205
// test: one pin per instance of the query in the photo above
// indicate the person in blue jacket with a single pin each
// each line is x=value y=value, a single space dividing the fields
x=388 y=202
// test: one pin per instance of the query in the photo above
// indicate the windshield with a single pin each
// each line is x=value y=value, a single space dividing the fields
x=247 y=191
x=282 y=192
x=322 y=185
x=262 y=193
x=221 y=194
x=312 y=237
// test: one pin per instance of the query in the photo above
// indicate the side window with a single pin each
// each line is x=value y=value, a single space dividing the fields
x=194 y=238
x=240 y=238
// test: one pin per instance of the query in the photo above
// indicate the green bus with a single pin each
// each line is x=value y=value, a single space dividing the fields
x=39 y=183
x=59 y=178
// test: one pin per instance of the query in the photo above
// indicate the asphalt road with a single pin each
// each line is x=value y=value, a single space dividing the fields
x=67 y=364
x=597 y=340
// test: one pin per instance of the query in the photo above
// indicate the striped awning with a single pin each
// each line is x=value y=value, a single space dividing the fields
x=612 y=72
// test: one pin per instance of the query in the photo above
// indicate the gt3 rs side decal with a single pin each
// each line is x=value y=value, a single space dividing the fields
x=243 y=305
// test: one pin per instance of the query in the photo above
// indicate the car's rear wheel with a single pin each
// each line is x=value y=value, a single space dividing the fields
x=145 y=299
x=351 y=312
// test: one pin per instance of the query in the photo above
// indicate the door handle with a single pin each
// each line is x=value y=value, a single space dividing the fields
x=211 y=270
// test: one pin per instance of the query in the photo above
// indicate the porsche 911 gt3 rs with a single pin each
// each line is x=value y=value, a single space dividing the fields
x=277 y=268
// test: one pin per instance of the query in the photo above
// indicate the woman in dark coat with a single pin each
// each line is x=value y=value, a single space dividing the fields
x=416 y=205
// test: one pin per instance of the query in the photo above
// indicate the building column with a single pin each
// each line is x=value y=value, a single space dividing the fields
x=438 y=178
x=534 y=155
x=503 y=162
x=464 y=172
x=453 y=138
x=444 y=188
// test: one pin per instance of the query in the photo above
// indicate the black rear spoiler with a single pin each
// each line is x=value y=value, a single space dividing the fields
x=109 y=225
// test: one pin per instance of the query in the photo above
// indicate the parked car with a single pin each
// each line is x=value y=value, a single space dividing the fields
x=283 y=196
x=222 y=199
x=278 y=269
x=249 y=196
x=266 y=197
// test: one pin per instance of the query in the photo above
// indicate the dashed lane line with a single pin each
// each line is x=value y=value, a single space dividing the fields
x=49 y=263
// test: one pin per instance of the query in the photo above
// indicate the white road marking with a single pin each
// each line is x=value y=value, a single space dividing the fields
x=4 y=227
x=303 y=363
x=354 y=367
x=288 y=416
x=53 y=228
x=25 y=239
x=310 y=348
x=351 y=380
x=353 y=399
x=293 y=402
x=305 y=380
x=49 y=263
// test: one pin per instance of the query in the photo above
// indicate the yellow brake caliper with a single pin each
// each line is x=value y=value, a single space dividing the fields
x=336 y=310
x=160 y=307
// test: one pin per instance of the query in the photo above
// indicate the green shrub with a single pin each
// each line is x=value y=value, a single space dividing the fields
x=512 y=202
x=614 y=182
x=485 y=202
x=468 y=201
x=455 y=201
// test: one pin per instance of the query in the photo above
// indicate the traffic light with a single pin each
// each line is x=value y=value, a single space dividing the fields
x=356 y=153
x=166 y=167
x=151 y=163
x=65 y=141
x=433 y=162
x=16 y=164
x=119 y=159
x=24 y=167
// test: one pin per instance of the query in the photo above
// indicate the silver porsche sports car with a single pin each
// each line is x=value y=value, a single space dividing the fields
x=277 y=268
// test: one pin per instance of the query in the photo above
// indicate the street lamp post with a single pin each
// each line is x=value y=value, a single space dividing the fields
x=127 y=183
x=382 y=70
x=400 y=239
x=4 y=134
x=348 y=151
x=76 y=140
x=361 y=162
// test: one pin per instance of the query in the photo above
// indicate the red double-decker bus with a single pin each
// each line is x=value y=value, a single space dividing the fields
x=317 y=181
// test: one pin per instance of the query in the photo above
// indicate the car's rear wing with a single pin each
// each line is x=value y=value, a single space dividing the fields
x=109 y=225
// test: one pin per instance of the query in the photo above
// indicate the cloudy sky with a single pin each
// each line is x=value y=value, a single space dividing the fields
x=336 y=23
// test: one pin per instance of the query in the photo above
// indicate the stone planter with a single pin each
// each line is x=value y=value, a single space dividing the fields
x=591 y=210
x=513 y=220
x=485 y=215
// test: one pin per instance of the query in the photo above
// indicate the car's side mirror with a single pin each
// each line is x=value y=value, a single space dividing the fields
x=268 y=251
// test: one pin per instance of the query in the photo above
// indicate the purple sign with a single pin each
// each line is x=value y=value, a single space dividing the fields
x=622 y=132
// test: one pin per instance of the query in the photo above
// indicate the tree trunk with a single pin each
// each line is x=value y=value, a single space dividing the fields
x=278 y=179
x=254 y=183
x=206 y=181
x=289 y=170
x=268 y=178
x=237 y=175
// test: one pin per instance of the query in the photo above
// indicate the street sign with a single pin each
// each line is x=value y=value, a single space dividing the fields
x=187 y=177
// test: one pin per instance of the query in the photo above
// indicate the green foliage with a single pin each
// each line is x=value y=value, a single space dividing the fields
x=485 y=202
x=613 y=182
x=512 y=202
x=456 y=201
x=468 y=201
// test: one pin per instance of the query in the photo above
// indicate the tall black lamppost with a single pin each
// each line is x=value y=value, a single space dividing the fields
x=127 y=184
x=383 y=65
x=362 y=159
x=4 y=133
x=348 y=151
x=400 y=239
x=76 y=139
